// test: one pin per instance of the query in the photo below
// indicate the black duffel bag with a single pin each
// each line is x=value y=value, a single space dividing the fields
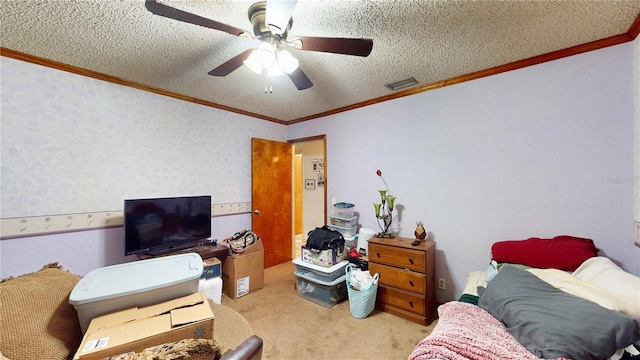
x=323 y=238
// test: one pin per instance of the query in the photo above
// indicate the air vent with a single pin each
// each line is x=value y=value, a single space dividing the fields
x=402 y=84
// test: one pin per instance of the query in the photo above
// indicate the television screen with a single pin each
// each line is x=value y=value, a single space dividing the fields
x=162 y=225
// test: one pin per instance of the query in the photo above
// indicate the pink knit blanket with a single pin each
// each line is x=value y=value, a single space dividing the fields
x=467 y=332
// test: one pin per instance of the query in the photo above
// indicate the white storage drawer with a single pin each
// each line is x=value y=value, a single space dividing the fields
x=322 y=293
x=320 y=273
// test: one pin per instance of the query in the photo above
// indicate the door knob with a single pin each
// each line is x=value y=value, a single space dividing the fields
x=256 y=211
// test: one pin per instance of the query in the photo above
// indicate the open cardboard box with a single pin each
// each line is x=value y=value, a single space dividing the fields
x=137 y=328
x=244 y=273
x=212 y=268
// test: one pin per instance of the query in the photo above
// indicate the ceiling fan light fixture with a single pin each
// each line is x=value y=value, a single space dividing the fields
x=253 y=63
x=278 y=16
x=287 y=62
x=271 y=24
x=275 y=70
x=266 y=54
x=296 y=43
x=265 y=58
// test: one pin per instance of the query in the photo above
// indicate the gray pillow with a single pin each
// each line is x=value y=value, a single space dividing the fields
x=551 y=323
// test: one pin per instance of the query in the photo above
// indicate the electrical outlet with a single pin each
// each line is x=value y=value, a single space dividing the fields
x=441 y=283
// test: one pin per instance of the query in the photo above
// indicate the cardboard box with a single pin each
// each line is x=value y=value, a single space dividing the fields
x=244 y=273
x=137 y=328
x=212 y=268
x=104 y=290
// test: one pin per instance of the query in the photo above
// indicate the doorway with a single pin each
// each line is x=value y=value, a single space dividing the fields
x=309 y=189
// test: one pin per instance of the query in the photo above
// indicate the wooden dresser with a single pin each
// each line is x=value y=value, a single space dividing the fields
x=407 y=277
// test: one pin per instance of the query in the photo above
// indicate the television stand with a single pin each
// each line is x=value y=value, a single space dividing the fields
x=205 y=250
x=174 y=249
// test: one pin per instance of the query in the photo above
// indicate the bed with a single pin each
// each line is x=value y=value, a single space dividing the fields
x=540 y=298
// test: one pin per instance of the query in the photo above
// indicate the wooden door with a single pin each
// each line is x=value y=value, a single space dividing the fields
x=271 y=172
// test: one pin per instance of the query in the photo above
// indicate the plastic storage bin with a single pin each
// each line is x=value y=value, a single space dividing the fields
x=140 y=283
x=322 y=293
x=351 y=242
x=344 y=222
x=326 y=258
x=345 y=231
x=343 y=210
x=320 y=273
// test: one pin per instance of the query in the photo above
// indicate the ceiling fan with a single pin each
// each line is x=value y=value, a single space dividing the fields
x=271 y=21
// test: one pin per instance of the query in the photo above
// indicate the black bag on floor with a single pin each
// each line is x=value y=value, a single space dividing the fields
x=323 y=238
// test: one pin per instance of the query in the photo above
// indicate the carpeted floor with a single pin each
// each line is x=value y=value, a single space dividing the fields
x=293 y=327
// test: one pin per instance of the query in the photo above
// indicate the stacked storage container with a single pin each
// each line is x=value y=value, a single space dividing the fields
x=320 y=275
x=345 y=221
x=324 y=286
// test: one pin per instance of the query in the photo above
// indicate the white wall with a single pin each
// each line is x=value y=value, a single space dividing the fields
x=72 y=144
x=541 y=151
x=537 y=152
x=312 y=199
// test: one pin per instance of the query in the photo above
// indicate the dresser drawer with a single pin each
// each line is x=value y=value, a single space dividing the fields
x=405 y=300
x=400 y=278
x=415 y=260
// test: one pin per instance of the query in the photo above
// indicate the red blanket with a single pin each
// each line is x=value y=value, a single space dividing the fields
x=467 y=332
x=562 y=252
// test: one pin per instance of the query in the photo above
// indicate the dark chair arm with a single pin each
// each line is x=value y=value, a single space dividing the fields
x=250 y=349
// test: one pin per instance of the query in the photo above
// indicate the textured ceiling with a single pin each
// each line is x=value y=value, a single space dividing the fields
x=431 y=41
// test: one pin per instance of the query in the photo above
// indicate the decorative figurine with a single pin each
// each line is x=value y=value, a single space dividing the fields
x=420 y=232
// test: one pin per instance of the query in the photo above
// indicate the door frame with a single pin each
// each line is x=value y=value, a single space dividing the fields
x=322 y=137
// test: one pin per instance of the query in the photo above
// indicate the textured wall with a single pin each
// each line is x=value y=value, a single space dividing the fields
x=72 y=144
x=75 y=146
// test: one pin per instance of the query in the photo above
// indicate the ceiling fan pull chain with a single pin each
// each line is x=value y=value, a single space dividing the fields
x=268 y=89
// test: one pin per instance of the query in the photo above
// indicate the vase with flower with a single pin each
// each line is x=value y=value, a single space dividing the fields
x=384 y=210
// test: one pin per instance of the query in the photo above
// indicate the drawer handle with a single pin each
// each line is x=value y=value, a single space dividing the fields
x=378 y=255
x=410 y=282
x=411 y=261
x=411 y=303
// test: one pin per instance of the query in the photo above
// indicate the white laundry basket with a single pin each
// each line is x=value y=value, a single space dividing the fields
x=361 y=302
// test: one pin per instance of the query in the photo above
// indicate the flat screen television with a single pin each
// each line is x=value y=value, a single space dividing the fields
x=162 y=225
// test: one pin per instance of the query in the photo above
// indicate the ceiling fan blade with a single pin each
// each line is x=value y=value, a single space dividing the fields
x=300 y=79
x=180 y=15
x=230 y=65
x=278 y=15
x=347 y=46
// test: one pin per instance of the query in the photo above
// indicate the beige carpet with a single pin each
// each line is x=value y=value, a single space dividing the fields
x=293 y=327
